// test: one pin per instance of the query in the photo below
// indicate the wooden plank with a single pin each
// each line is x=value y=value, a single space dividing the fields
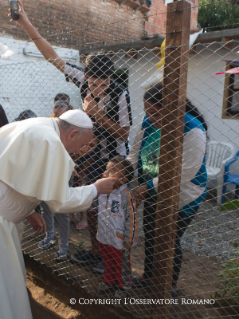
x=228 y=43
x=174 y=101
x=157 y=52
x=131 y=54
x=226 y=93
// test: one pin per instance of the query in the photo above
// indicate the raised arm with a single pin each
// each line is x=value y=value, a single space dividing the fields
x=43 y=46
x=91 y=107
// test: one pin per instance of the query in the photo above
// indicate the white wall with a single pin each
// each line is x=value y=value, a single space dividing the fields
x=206 y=90
x=29 y=82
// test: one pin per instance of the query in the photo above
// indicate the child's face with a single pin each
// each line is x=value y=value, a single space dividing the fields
x=116 y=170
x=98 y=86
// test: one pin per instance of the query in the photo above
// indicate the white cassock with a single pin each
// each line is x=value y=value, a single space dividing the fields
x=34 y=167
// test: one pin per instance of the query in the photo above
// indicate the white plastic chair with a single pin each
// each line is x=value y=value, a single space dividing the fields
x=218 y=154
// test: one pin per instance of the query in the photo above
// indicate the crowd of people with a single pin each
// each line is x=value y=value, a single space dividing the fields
x=39 y=158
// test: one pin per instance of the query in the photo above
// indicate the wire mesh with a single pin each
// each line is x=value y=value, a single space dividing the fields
x=92 y=247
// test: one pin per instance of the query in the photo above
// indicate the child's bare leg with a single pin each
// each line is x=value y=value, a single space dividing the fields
x=83 y=221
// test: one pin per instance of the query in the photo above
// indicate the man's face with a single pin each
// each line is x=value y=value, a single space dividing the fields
x=98 y=86
x=78 y=143
x=154 y=114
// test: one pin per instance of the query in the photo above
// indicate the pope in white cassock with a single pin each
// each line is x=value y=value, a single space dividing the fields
x=35 y=166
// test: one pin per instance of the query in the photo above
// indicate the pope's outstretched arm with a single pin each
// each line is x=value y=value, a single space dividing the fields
x=80 y=198
x=43 y=46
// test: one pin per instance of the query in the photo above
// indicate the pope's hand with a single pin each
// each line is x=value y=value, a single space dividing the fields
x=105 y=185
x=37 y=222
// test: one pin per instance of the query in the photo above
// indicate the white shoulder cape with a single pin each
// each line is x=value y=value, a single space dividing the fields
x=33 y=161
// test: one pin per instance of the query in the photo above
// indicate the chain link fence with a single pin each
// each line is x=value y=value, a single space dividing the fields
x=129 y=120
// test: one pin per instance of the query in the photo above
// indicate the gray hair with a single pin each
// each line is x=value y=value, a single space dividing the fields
x=67 y=127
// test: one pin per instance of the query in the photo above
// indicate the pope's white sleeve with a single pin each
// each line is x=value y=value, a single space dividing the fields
x=79 y=199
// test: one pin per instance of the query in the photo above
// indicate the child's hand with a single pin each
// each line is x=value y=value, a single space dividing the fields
x=91 y=108
x=140 y=194
x=75 y=173
x=23 y=19
x=126 y=245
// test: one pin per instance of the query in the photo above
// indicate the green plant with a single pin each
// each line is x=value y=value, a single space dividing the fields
x=80 y=246
x=229 y=279
x=218 y=14
x=26 y=234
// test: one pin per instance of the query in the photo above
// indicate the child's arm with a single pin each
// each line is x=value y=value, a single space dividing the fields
x=131 y=219
x=133 y=156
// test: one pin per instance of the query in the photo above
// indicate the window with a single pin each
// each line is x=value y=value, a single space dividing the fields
x=231 y=94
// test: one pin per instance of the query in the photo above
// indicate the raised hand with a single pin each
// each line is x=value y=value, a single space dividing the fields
x=91 y=108
x=23 y=18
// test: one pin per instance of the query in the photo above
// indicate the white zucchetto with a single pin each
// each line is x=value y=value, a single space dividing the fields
x=77 y=118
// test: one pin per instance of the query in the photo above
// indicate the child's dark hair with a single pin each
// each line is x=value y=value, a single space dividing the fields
x=126 y=166
x=99 y=66
x=27 y=114
x=61 y=104
x=62 y=97
x=154 y=96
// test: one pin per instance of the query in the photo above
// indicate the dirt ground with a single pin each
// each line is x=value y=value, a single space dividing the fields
x=46 y=306
x=197 y=285
x=196 y=282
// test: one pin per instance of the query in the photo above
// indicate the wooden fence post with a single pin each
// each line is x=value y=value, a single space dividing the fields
x=174 y=101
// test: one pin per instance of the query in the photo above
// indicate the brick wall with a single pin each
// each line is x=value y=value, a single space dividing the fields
x=78 y=23
x=157 y=17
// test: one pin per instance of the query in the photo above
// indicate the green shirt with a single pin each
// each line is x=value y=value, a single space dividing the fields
x=150 y=155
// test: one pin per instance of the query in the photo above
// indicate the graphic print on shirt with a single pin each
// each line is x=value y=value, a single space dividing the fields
x=115 y=207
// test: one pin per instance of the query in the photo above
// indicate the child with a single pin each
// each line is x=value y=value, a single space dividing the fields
x=117 y=228
x=59 y=108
